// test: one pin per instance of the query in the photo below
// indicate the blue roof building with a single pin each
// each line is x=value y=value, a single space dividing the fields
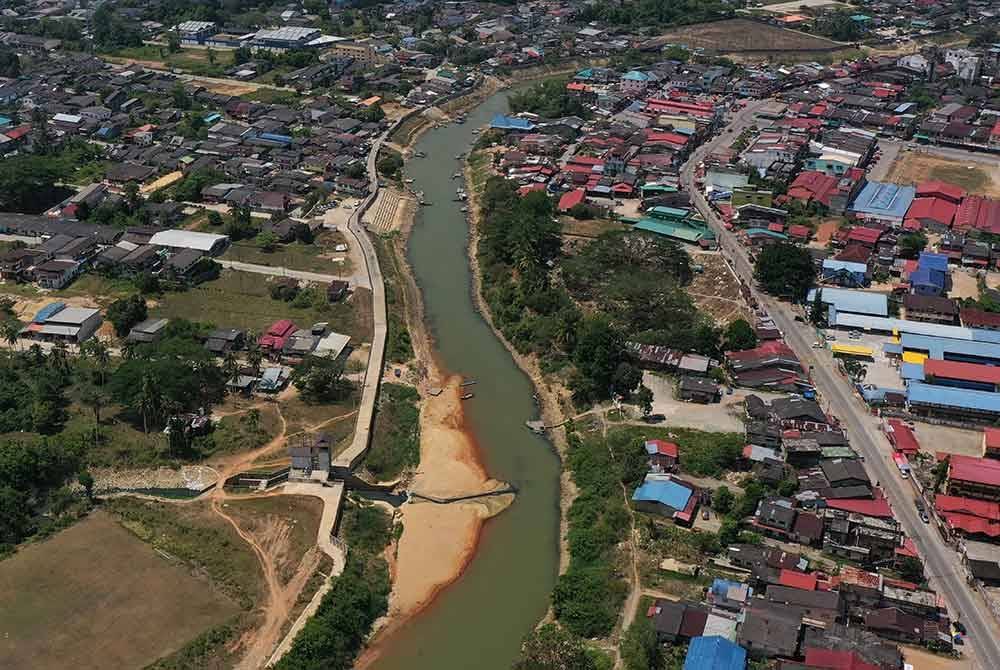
x=925 y=281
x=661 y=494
x=944 y=348
x=635 y=75
x=715 y=653
x=854 y=302
x=503 y=122
x=883 y=202
x=845 y=273
x=921 y=396
x=933 y=261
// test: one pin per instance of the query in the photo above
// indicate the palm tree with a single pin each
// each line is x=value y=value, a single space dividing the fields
x=254 y=355
x=99 y=353
x=10 y=330
x=150 y=401
x=230 y=366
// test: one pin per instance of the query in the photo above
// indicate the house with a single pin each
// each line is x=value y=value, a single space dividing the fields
x=825 y=606
x=56 y=274
x=150 y=330
x=209 y=243
x=310 y=456
x=676 y=621
x=272 y=379
x=882 y=203
x=663 y=456
x=845 y=273
x=276 y=336
x=667 y=495
x=895 y=624
x=836 y=659
x=337 y=290
x=57 y=322
x=698 y=389
x=982 y=562
x=221 y=341
x=714 y=653
x=775 y=514
x=973 y=477
x=930 y=308
x=991 y=443
x=770 y=630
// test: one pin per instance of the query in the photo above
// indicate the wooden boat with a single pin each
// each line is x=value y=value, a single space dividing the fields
x=467 y=396
x=468 y=382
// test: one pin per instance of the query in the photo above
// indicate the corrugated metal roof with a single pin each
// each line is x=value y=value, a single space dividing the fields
x=939 y=347
x=187 y=239
x=855 y=302
x=972 y=372
x=912 y=372
x=852 y=350
x=664 y=491
x=947 y=396
x=46 y=312
x=974 y=469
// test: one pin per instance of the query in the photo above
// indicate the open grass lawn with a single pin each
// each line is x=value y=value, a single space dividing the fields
x=316 y=257
x=96 y=596
x=192 y=61
x=242 y=300
x=289 y=523
x=396 y=440
x=701 y=453
x=271 y=96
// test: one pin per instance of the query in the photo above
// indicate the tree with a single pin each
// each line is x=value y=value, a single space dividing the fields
x=817 y=311
x=785 y=270
x=125 y=313
x=739 y=335
x=911 y=569
x=722 y=500
x=854 y=369
x=147 y=283
x=303 y=233
x=150 y=402
x=640 y=650
x=626 y=378
x=266 y=240
x=320 y=379
x=644 y=398
x=10 y=64
x=181 y=98
x=11 y=331
x=214 y=218
x=550 y=647
x=984 y=37
x=173 y=41
x=86 y=480
x=911 y=244
x=254 y=354
x=941 y=472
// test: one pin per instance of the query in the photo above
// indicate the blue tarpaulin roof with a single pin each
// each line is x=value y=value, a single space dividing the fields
x=715 y=653
x=664 y=491
x=48 y=311
x=503 y=122
x=948 y=396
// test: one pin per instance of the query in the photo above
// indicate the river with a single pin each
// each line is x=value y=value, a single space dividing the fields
x=479 y=621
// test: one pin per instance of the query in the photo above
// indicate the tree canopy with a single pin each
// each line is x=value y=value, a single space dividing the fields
x=785 y=270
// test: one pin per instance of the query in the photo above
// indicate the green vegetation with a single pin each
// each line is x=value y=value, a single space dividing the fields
x=549 y=99
x=320 y=379
x=739 y=335
x=199 y=62
x=331 y=639
x=839 y=25
x=639 y=647
x=631 y=282
x=126 y=313
x=702 y=454
x=644 y=13
x=28 y=182
x=10 y=64
x=550 y=647
x=398 y=347
x=785 y=270
x=588 y=596
x=201 y=651
x=396 y=441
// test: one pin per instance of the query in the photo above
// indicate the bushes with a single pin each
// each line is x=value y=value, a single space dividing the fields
x=396 y=442
x=588 y=596
x=330 y=640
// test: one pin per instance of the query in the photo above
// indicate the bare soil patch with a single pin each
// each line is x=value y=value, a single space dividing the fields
x=98 y=595
x=715 y=289
x=913 y=167
x=286 y=526
x=743 y=35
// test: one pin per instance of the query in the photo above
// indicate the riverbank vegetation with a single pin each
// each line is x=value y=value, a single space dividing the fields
x=331 y=639
x=623 y=284
x=396 y=440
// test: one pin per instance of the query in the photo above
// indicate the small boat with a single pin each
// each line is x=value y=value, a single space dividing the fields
x=407 y=181
x=465 y=209
x=476 y=131
x=457 y=175
x=419 y=154
x=468 y=382
x=459 y=157
x=466 y=396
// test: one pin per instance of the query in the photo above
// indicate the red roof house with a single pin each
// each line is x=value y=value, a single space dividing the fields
x=797 y=580
x=977 y=212
x=930 y=211
x=961 y=371
x=973 y=476
x=902 y=437
x=275 y=337
x=865 y=236
x=836 y=659
x=571 y=199
x=940 y=189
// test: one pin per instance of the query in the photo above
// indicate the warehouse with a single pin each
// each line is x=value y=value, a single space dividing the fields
x=944 y=401
x=284 y=39
x=973 y=477
x=187 y=239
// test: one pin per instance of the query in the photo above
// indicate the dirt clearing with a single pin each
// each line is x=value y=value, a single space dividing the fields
x=912 y=167
x=286 y=526
x=98 y=595
x=226 y=88
x=715 y=289
x=743 y=35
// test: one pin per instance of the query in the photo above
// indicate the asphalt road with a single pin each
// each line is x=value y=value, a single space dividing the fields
x=943 y=566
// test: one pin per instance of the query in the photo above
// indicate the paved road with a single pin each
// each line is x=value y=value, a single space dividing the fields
x=943 y=565
x=373 y=373
x=277 y=271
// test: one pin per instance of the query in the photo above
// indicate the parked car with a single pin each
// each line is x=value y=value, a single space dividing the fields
x=654 y=418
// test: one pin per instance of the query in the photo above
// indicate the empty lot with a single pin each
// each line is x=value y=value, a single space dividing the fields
x=912 y=167
x=95 y=596
x=743 y=35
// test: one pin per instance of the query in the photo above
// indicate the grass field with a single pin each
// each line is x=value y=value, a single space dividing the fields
x=743 y=35
x=912 y=167
x=192 y=61
x=95 y=596
x=243 y=300
x=316 y=257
